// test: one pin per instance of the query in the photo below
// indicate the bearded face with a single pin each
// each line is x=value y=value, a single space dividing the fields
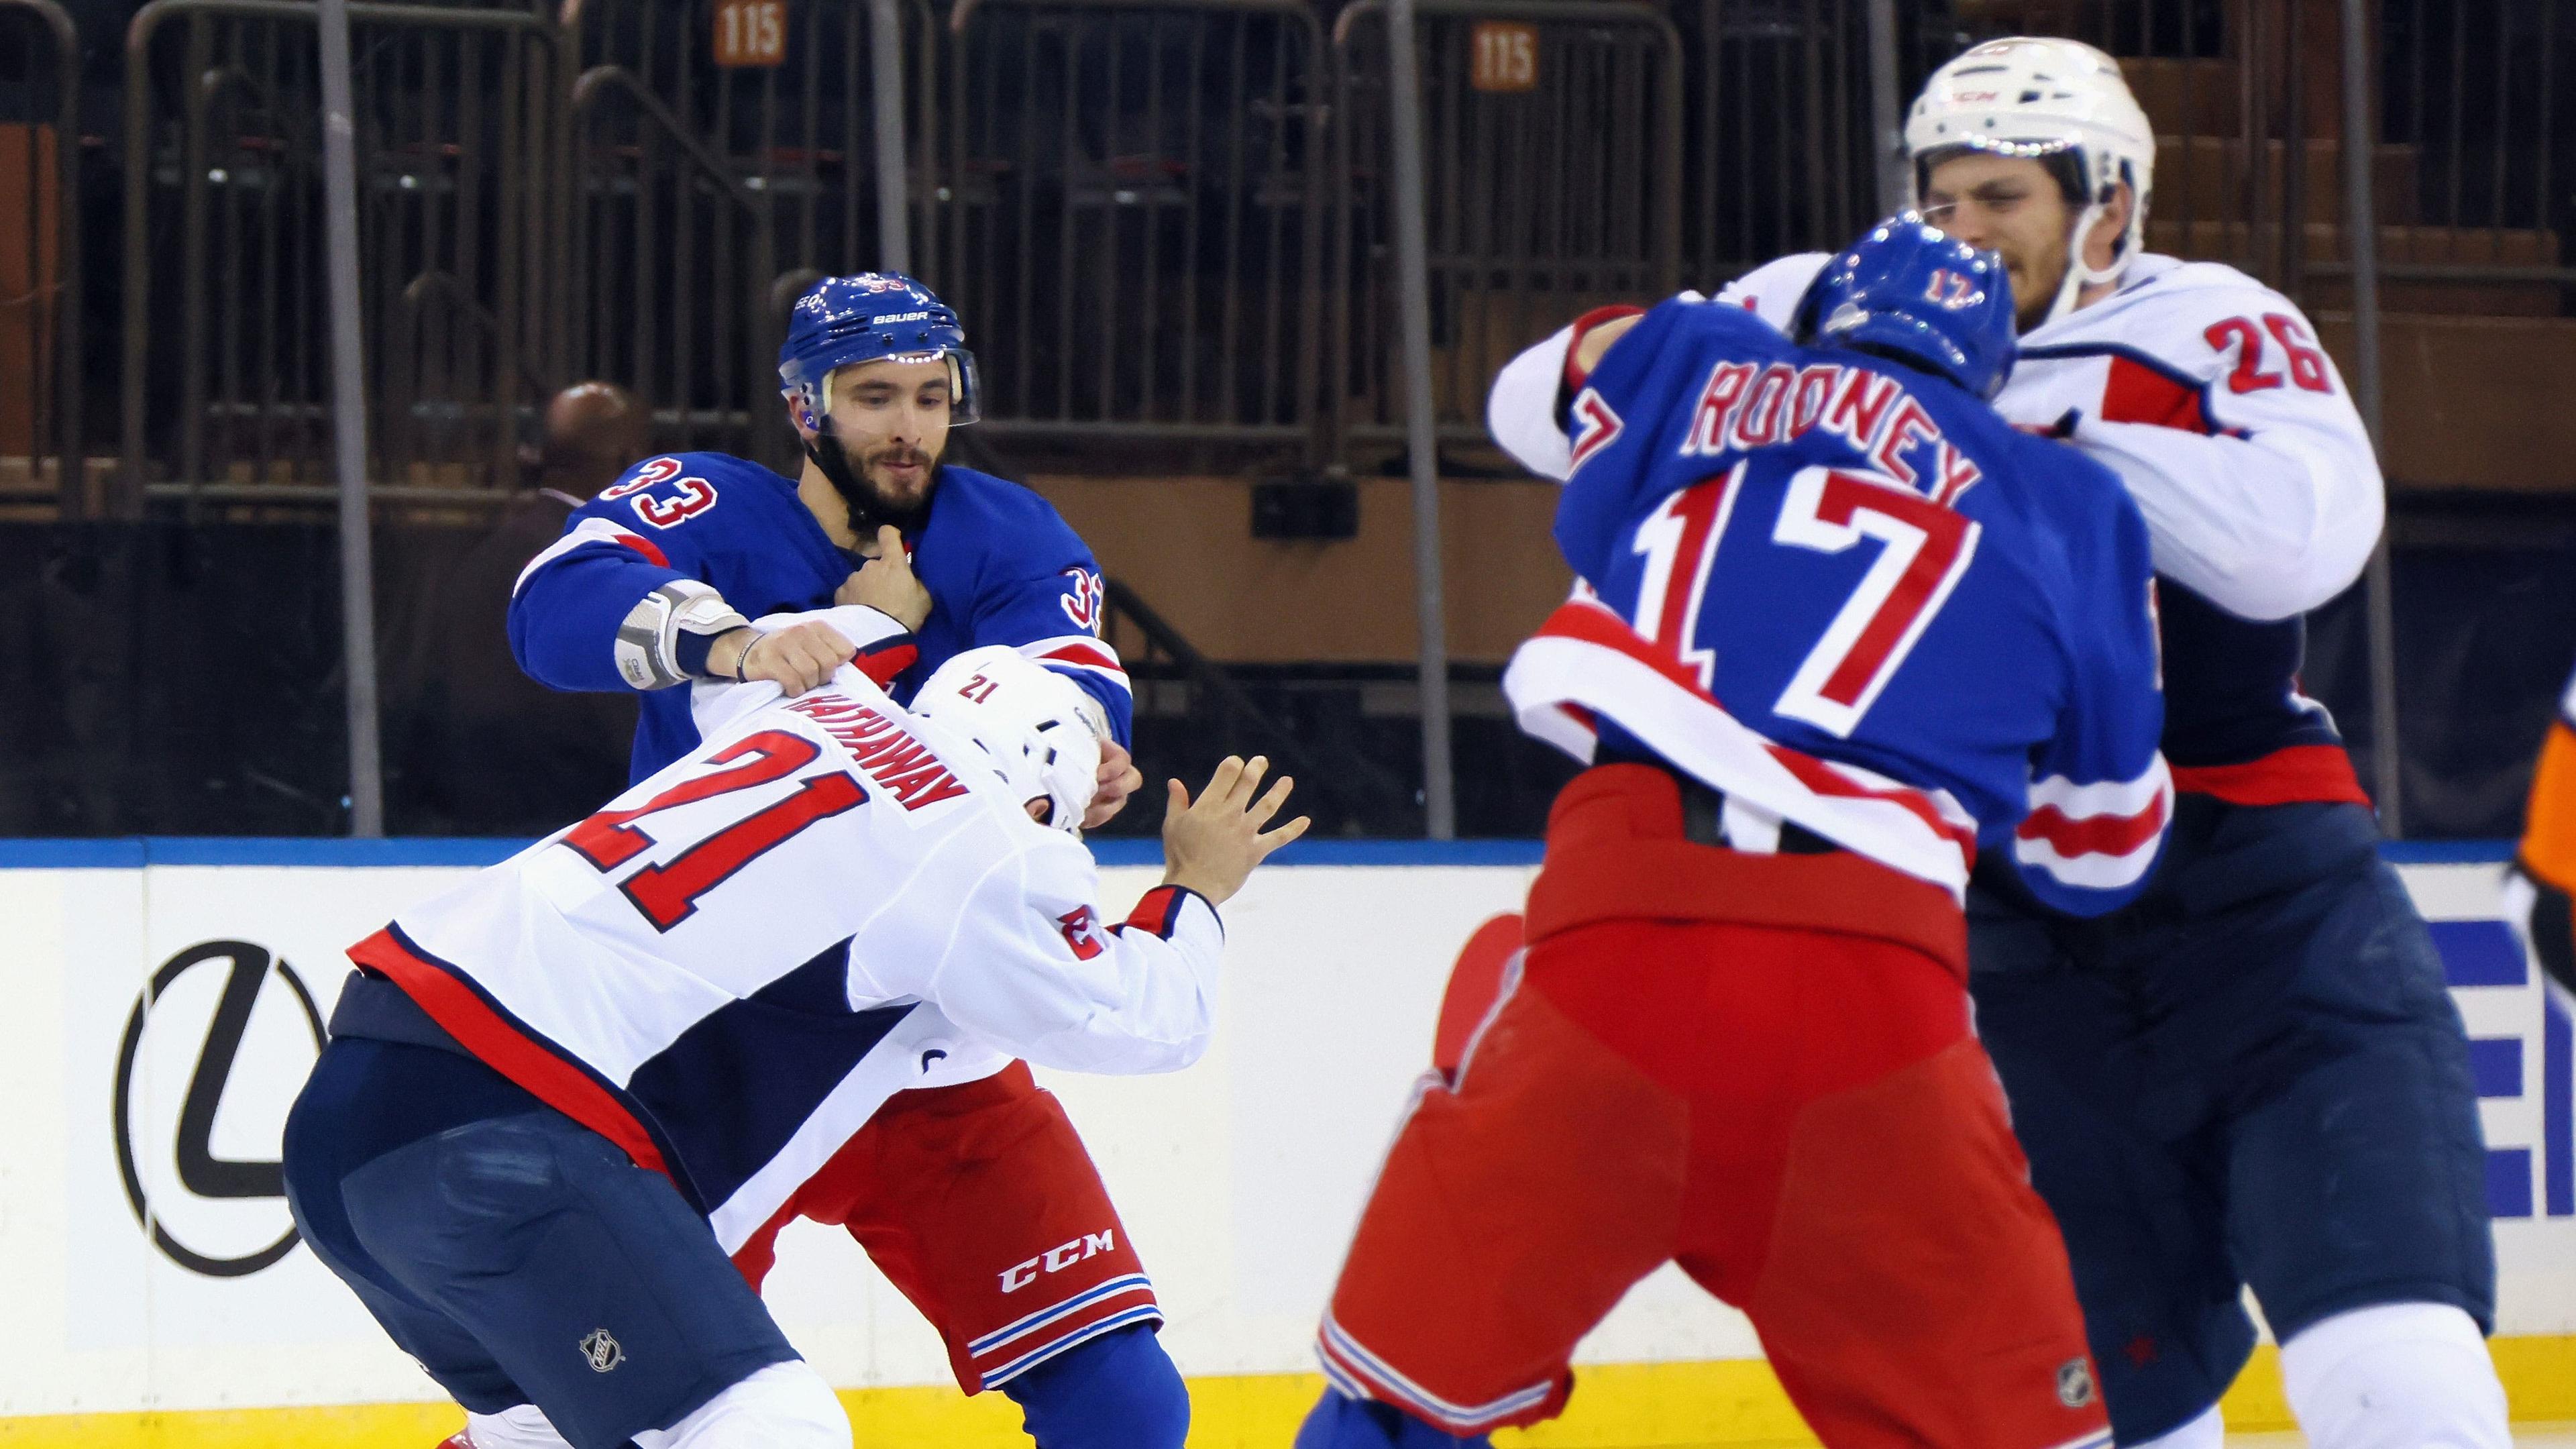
x=890 y=423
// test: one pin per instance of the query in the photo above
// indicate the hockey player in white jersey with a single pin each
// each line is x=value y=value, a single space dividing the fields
x=2252 y=1076
x=560 y=1094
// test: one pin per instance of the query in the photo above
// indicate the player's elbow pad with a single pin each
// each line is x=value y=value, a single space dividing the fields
x=664 y=639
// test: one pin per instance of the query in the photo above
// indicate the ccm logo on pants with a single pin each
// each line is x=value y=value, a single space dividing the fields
x=1057 y=1259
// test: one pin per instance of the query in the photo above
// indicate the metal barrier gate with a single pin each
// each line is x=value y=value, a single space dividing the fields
x=1781 y=159
x=721 y=149
x=225 y=372
x=41 y=420
x=2464 y=81
x=1533 y=216
x=1133 y=206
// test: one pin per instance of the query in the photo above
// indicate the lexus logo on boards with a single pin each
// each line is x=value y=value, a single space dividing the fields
x=214 y=1051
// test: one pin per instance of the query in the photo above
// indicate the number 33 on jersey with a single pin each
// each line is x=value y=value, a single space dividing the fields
x=1847 y=593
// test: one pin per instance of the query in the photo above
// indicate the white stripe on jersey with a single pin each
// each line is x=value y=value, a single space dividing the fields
x=1923 y=833
x=583 y=534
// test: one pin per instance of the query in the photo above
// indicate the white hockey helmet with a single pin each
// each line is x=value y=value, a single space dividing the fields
x=1041 y=732
x=2040 y=97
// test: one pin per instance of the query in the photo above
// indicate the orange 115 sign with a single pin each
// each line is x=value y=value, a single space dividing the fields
x=751 y=33
x=1504 y=55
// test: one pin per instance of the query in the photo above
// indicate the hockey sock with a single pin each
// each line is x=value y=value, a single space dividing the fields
x=2395 y=1376
x=1117 y=1391
x=784 y=1406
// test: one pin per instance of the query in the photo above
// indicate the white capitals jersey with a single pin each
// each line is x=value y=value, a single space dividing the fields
x=2209 y=395
x=730 y=967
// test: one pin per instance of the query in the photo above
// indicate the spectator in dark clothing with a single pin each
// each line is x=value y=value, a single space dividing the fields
x=489 y=751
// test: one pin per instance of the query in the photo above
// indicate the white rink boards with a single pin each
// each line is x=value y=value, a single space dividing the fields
x=1239 y=1179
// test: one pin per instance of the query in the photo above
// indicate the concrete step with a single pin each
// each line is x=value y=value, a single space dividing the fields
x=2208 y=177
x=2471 y=402
x=2260 y=246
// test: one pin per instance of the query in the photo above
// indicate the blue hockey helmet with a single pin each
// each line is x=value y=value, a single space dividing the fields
x=1914 y=292
x=873 y=317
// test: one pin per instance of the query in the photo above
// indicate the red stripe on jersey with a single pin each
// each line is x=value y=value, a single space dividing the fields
x=2112 y=835
x=646 y=547
x=1085 y=655
x=882 y=663
x=505 y=1049
x=1823 y=779
x=2137 y=393
x=1575 y=376
x=2298 y=775
x=1159 y=911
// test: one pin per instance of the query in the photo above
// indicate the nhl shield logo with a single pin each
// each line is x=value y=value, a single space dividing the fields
x=2074 y=1383
x=605 y=1354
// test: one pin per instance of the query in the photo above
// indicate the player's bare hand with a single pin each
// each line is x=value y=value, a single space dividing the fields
x=796 y=658
x=886 y=584
x=1119 y=778
x=1211 y=844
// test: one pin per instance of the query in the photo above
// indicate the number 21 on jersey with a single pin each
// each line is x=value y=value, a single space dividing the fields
x=667 y=894
x=1924 y=550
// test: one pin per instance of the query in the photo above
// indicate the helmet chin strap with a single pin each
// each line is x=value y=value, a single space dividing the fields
x=2079 y=275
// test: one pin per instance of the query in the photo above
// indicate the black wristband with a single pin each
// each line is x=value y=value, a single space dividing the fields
x=690 y=650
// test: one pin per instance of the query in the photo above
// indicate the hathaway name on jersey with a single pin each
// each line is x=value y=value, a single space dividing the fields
x=730 y=967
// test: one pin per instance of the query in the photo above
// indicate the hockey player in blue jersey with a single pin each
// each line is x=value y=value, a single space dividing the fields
x=655 y=580
x=2252 y=1078
x=653 y=585
x=1844 y=633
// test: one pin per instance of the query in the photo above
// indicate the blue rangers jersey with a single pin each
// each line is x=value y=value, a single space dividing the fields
x=1000 y=564
x=2208 y=394
x=1849 y=596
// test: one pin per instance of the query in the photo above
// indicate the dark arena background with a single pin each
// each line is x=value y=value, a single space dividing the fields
x=1237 y=281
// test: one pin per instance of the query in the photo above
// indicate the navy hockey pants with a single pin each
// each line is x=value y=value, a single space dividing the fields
x=516 y=1253
x=522 y=1258
x=2252 y=1075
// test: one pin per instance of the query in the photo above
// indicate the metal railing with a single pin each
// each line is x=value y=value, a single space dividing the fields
x=41 y=417
x=2475 y=101
x=1552 y=143
x=673 y=264
x=1182 y=695
x=1165 y=220
x=1133 y=204
x=226 y=370
x=1778 y=116
x=719 y=147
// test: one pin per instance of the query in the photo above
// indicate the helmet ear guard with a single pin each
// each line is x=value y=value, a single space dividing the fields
x=1035 y=728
